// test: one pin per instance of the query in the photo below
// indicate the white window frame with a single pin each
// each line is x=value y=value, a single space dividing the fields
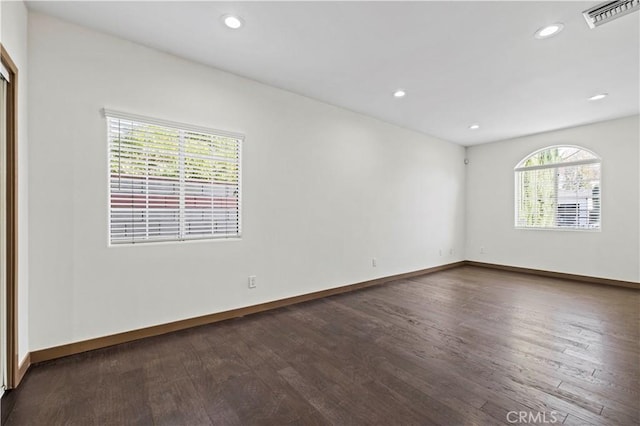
x=596 y=160
x=182 y=127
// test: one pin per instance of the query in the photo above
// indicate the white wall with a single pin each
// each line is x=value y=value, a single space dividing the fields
x=324 y=191
x=13 y=35
x=612 y=253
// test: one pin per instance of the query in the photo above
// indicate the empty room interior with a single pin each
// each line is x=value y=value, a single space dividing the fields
x=320 y=213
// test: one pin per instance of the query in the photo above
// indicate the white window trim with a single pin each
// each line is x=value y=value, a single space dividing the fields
x=111 y=113
x=161 y=122
x=519 y=168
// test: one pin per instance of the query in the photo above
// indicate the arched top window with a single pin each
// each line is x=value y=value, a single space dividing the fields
x=558 y=155
x=558 y=187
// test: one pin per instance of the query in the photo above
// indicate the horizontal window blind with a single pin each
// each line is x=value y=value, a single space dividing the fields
x=559 y=196
x=169 y=182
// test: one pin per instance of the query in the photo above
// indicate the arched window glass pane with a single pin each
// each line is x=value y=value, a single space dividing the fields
x=557 y=155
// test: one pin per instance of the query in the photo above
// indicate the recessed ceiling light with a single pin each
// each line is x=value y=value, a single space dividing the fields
x=399 y=93
x=598 y=96
x=548 y=31
x=232 y=21
x=474 y=127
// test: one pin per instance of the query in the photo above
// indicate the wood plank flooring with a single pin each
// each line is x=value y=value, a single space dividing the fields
x=467 y=346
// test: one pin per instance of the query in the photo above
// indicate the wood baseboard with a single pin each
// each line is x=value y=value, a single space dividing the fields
x=560 y=275
x=23 y=367
x=8 y=400
x=128 y=336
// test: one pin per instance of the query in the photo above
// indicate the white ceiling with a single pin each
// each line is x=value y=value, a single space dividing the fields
x=460 y=62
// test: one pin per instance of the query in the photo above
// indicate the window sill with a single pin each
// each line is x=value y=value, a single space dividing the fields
x=174 y=242
x=526 y=228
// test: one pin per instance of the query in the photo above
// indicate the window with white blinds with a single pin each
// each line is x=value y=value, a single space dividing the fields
x=560 y=188
x=171 y=181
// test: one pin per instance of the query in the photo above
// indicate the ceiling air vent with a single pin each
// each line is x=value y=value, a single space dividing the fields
x=608 y=11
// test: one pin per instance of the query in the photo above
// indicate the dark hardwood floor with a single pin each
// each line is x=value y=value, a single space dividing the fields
x=467 y=346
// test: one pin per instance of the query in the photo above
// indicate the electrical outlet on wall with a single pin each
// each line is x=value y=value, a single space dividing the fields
x=481 y=250
x=451 y=251
x=374 y=262
x=252 y=281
